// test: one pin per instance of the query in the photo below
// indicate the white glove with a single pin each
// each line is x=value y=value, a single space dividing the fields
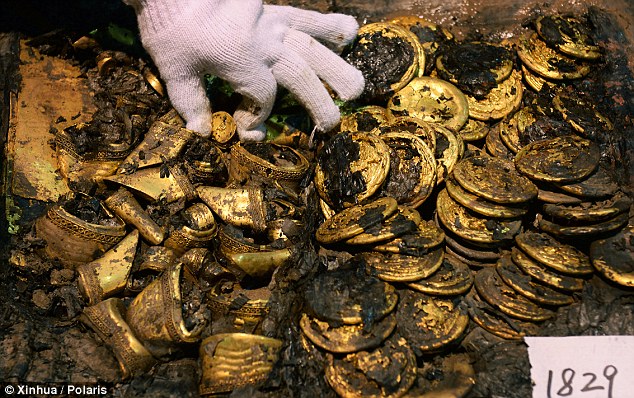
x=253 y=47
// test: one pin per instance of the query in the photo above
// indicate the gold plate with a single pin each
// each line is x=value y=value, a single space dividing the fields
x=502 y=100
x=562 y=159
x=355 y=375
x=582 y=115
x=402 y=222
x=346 y=339
x=430 y=324
x=474 y=130
x=553 y=254
x=544 y=274
x=472 y=228
x=449 y=150
x=583 y=231
x=412 y=176
x=451 y=279
x=546 y=62
x=351 y=168
x=599 y=184
x=494 y=144
x=588 y=212
x=355 y=220
x=393 y=267
x=418 y=243
x=364 y=119
x=613 y=257
x=432 y=100
x=568 y=35
x=522 y=283
x=501 y=296
x=482 y=206
x=495 y=180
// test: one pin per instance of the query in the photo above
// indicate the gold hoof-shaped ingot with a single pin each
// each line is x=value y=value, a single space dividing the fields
x=199 y=232
x=157 y=258
x=260 y=264
x=107 y=275
x=156 y=314
x=74 y=241
x=162 y=141
x=106 y=319
x=194 y=259
x=154 y=183
x=241 y=207
x=290 y=165
x=232 y=360
x=125 y=205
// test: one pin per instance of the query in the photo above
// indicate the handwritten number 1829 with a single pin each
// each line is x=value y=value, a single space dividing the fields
x=568 y=379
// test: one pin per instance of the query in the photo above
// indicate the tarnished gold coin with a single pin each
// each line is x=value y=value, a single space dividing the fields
x=524 y=285
x=494 y=144
x=345 y=339
x=350 y=168
x=432 y=100
x=535 y=81
x=588 y=212
x=502 y=100
x=482 y=206
x=449 y=150
x=569 y=35
x=459 y=221
x=412 y=176
x=364 y=119
x=471 y=252
x=405 y=220
x=496 y=322
x=551 y=194
x=458 y=378
x=613 y=257
x=562 y=159
x=473 y=130
x=543 y=274
x=501 y=296
x=582 y=115
x=355 y=220
x=583 y=231
x=430 y=324
x=413 y=125
x=513 y=128
x=394 y=267
x=546 y=62
x=387 y=371
x=494 y=179
x=352 y=296
x=600 y=184
x=556 y=255
x=418 y=243
x=451 y=279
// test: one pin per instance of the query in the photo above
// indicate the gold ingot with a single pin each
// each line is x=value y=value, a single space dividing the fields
x=544 y=274
x=154 y=82
x=249 y=316
x=155 y=183
x=548 y=63
x=106 y=319
x=568 y=35
x=74 y=241
x=233 y=360
x=200 y=230
x=289 y=165
x=392 y=267
x=480 y=205
x=223 y=128
x=125 y=205
x=240 y=207
x=108 y=275
x=162 y=142
x=432 y=100
x=364 y=119
x=157 y=258
x=156 y=315
x=195 y=259
x=404 y=221
x=502 y=100
x=451 y=279
x=612 y=257
x=260 y=264
x=173 y=118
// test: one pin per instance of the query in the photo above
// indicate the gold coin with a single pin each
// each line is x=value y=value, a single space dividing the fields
x=394 y=267
x=449 y=150
x=582 y=115
x=474 y=130
x=350 y=168
x=418 y=243
x=405 y=220
x=471 y=262
x=543 y=274
x=502 y=100
x=562 y=159
x=345 y=339
x=523 y=284
x=568 y=35
x=474 y=229
x=430 y=324
x=482 y=206
x=553 y=254
x=406 y=124
x=513 y=128
x=535 y=81
x=355 y=220
x=588 y=212
x=546 y=62
x=465 y=250
x=494 y=179
x=355 y=375
x=550 y=194
x=432 y=100
x=458 y=378
x=364 y=119
x=412 y=176
x=599 y=184
x=494 y=144
x=583 y=231
x=501 y=296
x=613 y=257
x=451 y=279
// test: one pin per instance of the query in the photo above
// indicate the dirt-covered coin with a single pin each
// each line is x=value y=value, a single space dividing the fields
x=480 y=205
x=568 y=35
x=417 y=243
x=549 y=63
x=613 y=257
x=451 y=279
x=394 y=267
x=556 y=255
x=405 y=220
x=501 y=100
x=545 y=274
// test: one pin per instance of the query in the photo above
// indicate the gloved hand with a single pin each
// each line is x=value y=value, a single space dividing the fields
x=253 y=47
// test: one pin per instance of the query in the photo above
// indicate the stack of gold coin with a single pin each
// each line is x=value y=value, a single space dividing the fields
x=613 y=257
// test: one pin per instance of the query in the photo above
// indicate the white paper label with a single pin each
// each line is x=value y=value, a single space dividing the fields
x=582 y=366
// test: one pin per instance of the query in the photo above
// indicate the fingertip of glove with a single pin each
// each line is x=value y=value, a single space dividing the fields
x=257 y=134
x=355 y=86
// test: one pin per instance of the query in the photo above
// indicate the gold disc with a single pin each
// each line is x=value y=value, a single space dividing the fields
x=568 y=35
x=546 y=62
x=502 y=100
x=452 y=278
x=474 y=130
x=613 y=257
x=418 y=243
x=556 y=255
x=405 y=220
x=393 y=267
x=571 y=232
x=588 y=212
x=544 y=274
x=482 y=206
